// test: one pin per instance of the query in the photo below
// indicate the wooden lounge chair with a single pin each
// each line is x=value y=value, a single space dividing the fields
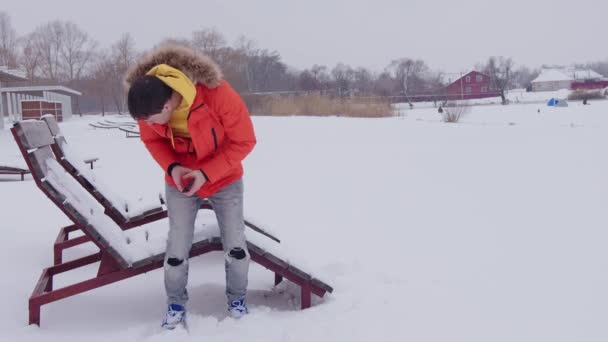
x=122 y=253
x=10 y=170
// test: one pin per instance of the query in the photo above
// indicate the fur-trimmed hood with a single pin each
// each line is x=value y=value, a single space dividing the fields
x=198 y=67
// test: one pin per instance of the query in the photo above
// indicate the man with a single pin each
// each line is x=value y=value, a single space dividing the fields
x=198 y=130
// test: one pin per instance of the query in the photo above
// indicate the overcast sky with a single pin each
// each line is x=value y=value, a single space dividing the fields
x=449 y=35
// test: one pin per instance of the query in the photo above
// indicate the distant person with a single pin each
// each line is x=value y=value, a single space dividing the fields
x=198 y=130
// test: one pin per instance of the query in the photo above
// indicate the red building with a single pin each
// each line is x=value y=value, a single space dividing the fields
x=589 y=84
x=473 y=85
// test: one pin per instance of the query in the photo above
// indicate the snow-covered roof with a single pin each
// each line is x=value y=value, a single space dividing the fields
x=7 y=74
x=566 y=74
x=55 y=89
x=552 y=75
x=585 y=74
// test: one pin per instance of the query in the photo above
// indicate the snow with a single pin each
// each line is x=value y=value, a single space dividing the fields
x=566 y=74
x=551 y=75
x=86 y=206
x=492 y=229
x=9 y=152
x=515 y=96
x=129 y=208
x=584 y=74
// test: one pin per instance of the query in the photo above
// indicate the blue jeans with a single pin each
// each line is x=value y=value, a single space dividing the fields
x=228 y=207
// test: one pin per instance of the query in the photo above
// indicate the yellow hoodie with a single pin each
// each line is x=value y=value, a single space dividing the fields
x=179 y=82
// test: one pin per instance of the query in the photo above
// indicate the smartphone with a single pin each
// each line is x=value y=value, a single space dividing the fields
x=188 y=185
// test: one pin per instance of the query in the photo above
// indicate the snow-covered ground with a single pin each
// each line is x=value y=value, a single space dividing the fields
x=515 y=96
x=492 y=229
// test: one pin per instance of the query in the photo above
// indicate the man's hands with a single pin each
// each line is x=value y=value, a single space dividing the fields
x=183 y=176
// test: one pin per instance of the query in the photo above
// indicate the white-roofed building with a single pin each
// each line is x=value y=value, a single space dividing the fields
x=564 y=78
x=25 y=102
x=552 y=79
x=8 y=75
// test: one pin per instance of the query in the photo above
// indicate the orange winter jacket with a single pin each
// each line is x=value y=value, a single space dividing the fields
x=221 y=136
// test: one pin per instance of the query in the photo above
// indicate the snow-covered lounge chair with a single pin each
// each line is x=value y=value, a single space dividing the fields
x=123 y=253
x=10 y=170
x=130 y=127
x=126 y=213
x=50 y=119
x=130 y=132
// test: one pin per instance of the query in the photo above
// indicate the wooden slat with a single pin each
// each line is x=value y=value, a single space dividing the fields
x=253 y=249
x=38 y=160
x=319 y=283
x=52 y=192
x=13 y=169
x=110 y=210
x=261 y=231
x=60 y=141
x=301 y=274
x=52 y=123
x=11 y=172
x=59 y=199
x=94 y=234
x=268 y=256
x=34 y=134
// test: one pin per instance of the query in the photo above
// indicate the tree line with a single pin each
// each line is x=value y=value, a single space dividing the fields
x=60 y=52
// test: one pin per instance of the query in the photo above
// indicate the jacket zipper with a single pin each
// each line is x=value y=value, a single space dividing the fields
x=214 y=138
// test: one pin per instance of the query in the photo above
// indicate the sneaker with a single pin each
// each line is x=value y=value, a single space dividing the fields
x=238 y=308
x=176 y=314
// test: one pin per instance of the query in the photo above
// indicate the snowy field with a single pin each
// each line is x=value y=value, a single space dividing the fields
x=514 y=96
x=493 y=229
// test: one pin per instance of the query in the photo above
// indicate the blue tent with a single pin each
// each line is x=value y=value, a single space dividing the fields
x=557 y=103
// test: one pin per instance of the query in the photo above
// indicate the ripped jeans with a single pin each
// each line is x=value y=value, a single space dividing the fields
x=228 y=206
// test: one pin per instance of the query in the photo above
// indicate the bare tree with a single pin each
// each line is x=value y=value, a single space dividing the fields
x=122 y=55
x=29 y=57
x=362 y=81
x=600 y=67
x=100 y=79
x=233 y=64
x=47 y=41
x=500 y=71
x=76 y=50
x=244 y=47
x=209 y=41
x=267 y=71
x=385 y=84
x=322 y=77
x=63 y=49
x=8 y=42
x=175 y=41
x=408 y=73
x=343 y=77
x=523 y=77
x=435 y=87
x=307 y=82
x=124 y=52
